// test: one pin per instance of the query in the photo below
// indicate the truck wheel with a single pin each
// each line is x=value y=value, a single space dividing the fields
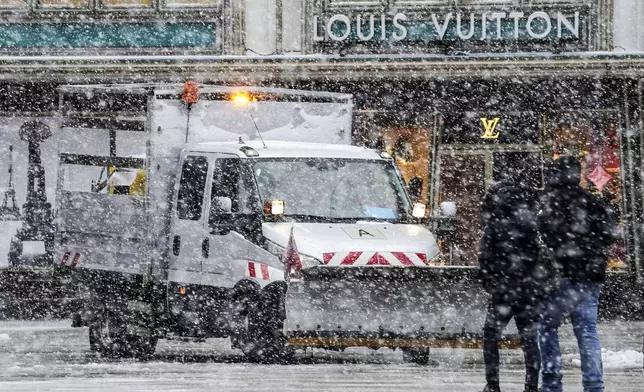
x=107 y=333
x=108 y=336
x=243 y=301
x=268 y=324
x=142 y=348
x=419 y=355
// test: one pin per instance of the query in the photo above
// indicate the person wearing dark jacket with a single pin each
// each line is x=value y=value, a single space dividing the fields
x=577 y=228
x=510 y=272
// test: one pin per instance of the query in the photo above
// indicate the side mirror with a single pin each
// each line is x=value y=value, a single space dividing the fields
x=222 y=205
x=448 y=209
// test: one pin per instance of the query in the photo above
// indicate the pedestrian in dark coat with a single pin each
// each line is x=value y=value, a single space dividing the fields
x=510 y=272
x=577 y=228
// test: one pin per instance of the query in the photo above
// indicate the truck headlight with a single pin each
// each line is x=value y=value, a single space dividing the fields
x=419 y=210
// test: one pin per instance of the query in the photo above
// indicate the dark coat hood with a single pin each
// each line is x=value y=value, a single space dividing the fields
x=565 y=171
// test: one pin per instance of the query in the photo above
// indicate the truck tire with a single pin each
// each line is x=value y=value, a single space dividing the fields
x=107 y=332
x=268 y=326
x=257 y=321
x=243 y=301
x=108 y=336
x=142 y=348
x=417 y=355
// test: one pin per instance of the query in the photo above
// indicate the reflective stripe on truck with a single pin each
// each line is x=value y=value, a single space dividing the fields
x=263 y=272
x=375 y=258
x=75 y=259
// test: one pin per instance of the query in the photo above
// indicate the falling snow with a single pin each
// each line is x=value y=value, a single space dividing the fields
x=363 y=192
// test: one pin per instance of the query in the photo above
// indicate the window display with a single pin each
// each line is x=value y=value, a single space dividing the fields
x=65 y=3
x=127 y=3
x=594 y=138
x=13 y=4
x=194 y=3
x=410 y=147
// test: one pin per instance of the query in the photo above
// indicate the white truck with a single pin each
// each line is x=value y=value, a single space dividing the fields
x=218 y=195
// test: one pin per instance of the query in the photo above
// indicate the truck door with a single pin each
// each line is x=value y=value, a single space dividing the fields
x=234 y=222
x=188 y=233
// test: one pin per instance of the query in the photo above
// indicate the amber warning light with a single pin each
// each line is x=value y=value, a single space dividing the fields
x=240 y=98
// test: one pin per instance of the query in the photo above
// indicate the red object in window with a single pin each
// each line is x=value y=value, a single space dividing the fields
x=599 y=177
x=190 y=92
x=610 y=153
x=610 y=158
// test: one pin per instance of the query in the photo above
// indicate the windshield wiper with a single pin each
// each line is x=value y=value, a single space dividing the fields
x=311 y=217
x=327 y=219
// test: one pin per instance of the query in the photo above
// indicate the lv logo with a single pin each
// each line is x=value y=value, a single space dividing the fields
x=489 y=125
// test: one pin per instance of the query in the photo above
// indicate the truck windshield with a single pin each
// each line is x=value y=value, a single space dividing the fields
x=333 y=188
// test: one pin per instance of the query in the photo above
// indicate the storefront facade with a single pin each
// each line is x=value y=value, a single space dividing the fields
x=461 y=93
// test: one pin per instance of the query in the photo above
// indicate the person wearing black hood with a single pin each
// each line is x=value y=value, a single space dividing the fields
x=510 y=273
x=577 y=228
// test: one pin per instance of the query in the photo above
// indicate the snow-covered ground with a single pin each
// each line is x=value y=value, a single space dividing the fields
x=626 y=359
x=51 y=356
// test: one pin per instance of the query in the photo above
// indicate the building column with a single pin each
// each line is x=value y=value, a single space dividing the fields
x=627 y=33
x=292 y=26
x=260 y=18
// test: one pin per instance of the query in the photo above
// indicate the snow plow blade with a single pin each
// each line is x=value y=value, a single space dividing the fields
x=387 y=307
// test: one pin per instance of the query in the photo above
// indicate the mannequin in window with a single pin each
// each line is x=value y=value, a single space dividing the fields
x=415 y=188
x=404 y=151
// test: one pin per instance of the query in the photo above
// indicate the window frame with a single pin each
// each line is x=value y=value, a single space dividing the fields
x=244 y=171
x=178 y=208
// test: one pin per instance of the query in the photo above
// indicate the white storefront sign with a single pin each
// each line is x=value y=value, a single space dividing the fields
x=536 y=25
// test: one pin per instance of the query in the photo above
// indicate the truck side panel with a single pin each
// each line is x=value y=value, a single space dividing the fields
x=107 y=232
x=113 y=215
x=98 y=228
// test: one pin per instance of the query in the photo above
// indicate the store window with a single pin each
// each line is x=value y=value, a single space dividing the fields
x=594 y=139
x=462 y=181
x=410 y=148
x=193 y=3
x=127 y=3
x=518 y=167
x=65 y=3
x=13 y=4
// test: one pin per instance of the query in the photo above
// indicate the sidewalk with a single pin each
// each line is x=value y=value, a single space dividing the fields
x=621 y=345
x=615 y=336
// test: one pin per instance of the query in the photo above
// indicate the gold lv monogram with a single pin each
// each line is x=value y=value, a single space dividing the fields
x=490 y=127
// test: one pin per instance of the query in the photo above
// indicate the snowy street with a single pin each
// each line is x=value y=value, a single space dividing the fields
x=51 y=356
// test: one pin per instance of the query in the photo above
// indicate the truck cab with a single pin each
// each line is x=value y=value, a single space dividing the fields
x=238 y=204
